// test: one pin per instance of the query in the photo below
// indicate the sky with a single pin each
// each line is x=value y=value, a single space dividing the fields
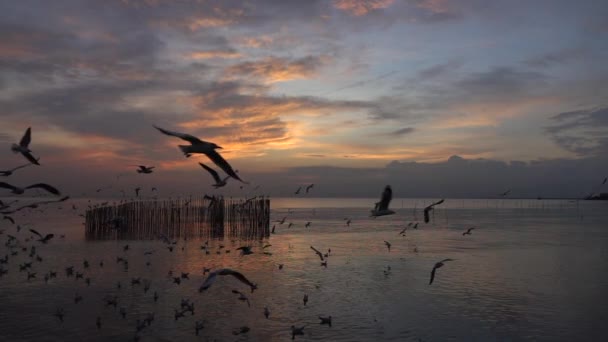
x=457 y=98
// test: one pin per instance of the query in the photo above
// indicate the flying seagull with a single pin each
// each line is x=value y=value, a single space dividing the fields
x=218 y=182
x=317 y=252
x=144 y=169
x=204 y=147
x=505 y=193
x=7 y=173
x=428 y=209
x=468 y=232
x=43 y=239
x=18 y=191
x=298 y=191
x=437 y=265
x=309 y=187
x=23 y=147
x=381 y=208
x=225 y=271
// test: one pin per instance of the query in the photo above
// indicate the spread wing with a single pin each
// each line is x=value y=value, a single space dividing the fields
x=223 y=164
x=239 y=276
x=31 y=158
x=20 y=167
x=27 y=138
x=208 y=282
x=46 y=187
x=7 y=186
x=189 y=138
x=35 y=232
x=426 y=214
x=213 y=173
x=386 y=198
x=318 y=252
x=48 y=237
x=432 y=275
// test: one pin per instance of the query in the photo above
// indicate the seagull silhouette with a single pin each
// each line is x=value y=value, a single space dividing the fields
x=429 y=208
x=18 y=191
x=468 y=232
x=211 y=278
x=7 y=173
x=381 y=208
x=144 y=169
x=216 y=177
x=207 y=148
x=23 y=147
x=438 y=265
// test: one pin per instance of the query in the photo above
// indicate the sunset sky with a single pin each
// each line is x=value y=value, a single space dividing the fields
x=340 y=91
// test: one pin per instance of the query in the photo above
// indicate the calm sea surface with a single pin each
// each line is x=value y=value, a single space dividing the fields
x=531 y=270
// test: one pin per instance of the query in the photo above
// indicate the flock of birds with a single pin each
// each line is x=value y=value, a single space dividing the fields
x=36 y=239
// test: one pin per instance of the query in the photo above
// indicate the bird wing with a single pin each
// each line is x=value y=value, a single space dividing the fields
x=35 y=232
x=48 y=237
x=432 y=275
x=189 y=138
x=318 y=252
x=46 y=187
x=27 y=138
x=213 y=173
x=209 y=281
x=7 y=186
x=385 y=199
x=31 y=158
x=223 y=164
x=20 y=167
x=444 y=260
x=9 y=218
x=237 y=275
x=426 y=214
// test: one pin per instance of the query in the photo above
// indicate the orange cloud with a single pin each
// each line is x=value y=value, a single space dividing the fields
x=435 y=6
x=361 y=7
x=275 y=69
x=213 y=54
x=255 y=42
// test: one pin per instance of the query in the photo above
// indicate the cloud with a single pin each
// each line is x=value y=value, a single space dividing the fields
x=555 y=58
x=276 y=69
x=583 y=132
x=213 y=54
x=403 y=131
x=361 y=7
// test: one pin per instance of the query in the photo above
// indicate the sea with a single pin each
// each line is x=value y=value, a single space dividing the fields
x=531 y=270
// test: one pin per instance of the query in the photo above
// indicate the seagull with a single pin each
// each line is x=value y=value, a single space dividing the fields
x=7 y=173
x=381 y=208
x=307 y=224
x=298 y=191
x=281 y=221
x=242 y=297
x=505 y=193
x=437 y=265
x=137 y=191
x=325 y=320
x=296 y=331
x=305 y=299
x=317 y=252
x=468 y=232
x=388 y=245
x=23 y=147
x=198 y=326
x=144 y=169
x=309 y=187
x=43 y=239
x=429 y=208
x=218 y=182
x=225 y=271
x=245 y=250
x=18 y=191
x=204 y=147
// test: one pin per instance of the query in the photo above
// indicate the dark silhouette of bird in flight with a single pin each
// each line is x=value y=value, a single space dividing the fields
x=309 y=187
x=438 y=265
x=7 y=173
x=428 y=209
x=298 y=191
x=211 y=278
x=43 y=239
x=207 y=148
x=144 y=169
x=23 y=147
x=216 y=177
x=18 y=191
x=381 y=208
x=317 y=252
x=505 y=193
x=468 y=232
